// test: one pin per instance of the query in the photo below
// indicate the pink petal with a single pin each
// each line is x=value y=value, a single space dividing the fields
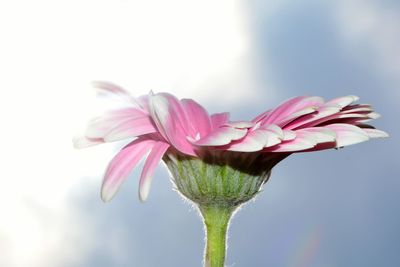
x=112 y=120
x=122 y=164
x=322 y=118
x=198 y=117
x=329 y=111
x=171 y=121
x=350 y=118
x=130 y=128
x=219 y=119
x=357 y=109
x=284 y=121
x=347 y=134
x=290 y=107
x=261 y=116
x=275 y=113
x=222 y=136
x=309 y=120
x=149 y=167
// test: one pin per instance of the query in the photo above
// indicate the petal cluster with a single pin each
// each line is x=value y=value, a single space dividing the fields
x=159 y=122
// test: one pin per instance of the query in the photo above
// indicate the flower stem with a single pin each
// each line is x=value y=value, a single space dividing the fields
x=216 y=220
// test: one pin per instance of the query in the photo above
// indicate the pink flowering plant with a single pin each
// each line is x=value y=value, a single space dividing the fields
x=216 y=163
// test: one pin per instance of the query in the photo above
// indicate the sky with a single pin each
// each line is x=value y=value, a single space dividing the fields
x=324 y=209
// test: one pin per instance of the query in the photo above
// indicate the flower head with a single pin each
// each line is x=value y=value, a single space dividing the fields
x=166 y=128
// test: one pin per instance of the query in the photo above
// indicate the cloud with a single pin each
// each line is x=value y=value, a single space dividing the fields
x=50 y=54
x=35 y=235
x=373 y=26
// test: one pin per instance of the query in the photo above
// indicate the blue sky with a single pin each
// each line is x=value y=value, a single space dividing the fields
x=324 y=209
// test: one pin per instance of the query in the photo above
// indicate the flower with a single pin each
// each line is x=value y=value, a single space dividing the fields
x=160 y=123
x=216 y=163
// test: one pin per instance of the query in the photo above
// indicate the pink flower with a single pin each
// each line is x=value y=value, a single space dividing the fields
x=160 y=123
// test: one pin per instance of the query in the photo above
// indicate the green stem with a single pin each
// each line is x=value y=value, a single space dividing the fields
x=216 y=220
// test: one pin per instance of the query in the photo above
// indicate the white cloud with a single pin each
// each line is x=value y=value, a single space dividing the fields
x=50 y=52
x=373 y=26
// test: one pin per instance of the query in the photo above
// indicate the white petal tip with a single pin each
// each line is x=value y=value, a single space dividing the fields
x=343 y=101
x=355 y=98
x=374 y=133
x=348 y=134
x=142 y=198
x=384 y=134
x=105 y=195
x=83 y=142
x=144 y=191
x=351 y=140
x=374 y=115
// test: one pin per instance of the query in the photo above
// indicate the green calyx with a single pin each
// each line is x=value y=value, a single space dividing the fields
x=219 y=177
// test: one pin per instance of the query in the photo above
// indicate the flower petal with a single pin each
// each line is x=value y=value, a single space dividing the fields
x=349 y=118
x=222 y=136
x=319 y=134
x=343 y=101
x=113 y=121
x=312 y=119
x=302 y=141
x=84 y=142
x=288 y=135
x=375 y=133
x=295 y=115
x=338 y=117
x=131 y=128
x=110 y=89
x=357 y=109
x=347 y=134
x=240 y=124
x=198 y=117
x=275 y=129
x=292 y=106
x=149 y=167
x=219 y=119
x=255 y=141
x=122 y=164
x=306 y=139
x=272 y=139
x=373 y=115
x=171 y=121
x=261 y=116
